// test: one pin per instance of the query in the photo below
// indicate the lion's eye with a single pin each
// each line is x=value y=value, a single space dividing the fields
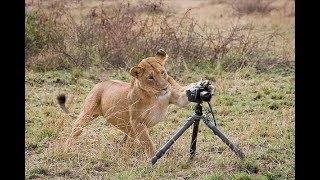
x=162 y=72
x=151 y=78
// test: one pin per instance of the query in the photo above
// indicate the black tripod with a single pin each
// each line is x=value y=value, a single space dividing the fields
x=195 y=119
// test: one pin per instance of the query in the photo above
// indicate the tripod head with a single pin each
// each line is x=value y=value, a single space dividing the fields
x=198 y=94
x=198 y=109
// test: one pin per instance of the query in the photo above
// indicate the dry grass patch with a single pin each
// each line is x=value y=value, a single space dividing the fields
x=242 y=105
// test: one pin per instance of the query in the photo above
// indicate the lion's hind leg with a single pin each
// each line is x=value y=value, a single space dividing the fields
x=90 y=111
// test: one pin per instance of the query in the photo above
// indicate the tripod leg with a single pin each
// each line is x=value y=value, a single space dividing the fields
x=194 y=138
x=216 y=131
x=164 y=149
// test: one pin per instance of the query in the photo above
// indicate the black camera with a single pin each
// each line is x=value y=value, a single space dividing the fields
x=198 y=94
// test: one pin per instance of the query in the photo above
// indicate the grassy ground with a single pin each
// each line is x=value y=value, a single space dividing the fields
x=256 y=110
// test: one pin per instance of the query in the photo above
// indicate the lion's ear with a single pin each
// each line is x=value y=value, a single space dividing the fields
x=162 y=55
x=136 y=71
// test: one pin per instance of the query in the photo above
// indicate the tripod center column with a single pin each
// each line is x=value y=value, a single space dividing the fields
x=198 y=110
x=193 y=146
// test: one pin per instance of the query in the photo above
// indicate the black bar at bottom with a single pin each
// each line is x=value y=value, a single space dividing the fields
x=164 y=149
x=216 y=131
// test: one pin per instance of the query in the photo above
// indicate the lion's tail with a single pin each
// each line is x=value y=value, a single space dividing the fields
x=62 y=103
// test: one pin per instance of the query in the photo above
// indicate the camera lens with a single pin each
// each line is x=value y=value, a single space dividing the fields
x=205 y=96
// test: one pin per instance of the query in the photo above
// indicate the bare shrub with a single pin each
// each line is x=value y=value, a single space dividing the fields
x=152 y=6
x=213 y=2
x=289 y=8
x=40 y=33
x=250 y=6
x=119 y=36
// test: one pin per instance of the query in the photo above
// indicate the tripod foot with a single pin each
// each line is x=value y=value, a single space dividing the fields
x=153 y=160
x=191 y=158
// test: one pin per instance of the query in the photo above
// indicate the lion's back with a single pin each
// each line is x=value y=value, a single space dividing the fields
x=114 y=97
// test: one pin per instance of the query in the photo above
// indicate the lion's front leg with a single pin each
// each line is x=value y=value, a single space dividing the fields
x=145 y=140
x=180 y=98
x=178 y=93
x=141 y=132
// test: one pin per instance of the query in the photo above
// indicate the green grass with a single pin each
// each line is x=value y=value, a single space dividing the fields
x=255 y=110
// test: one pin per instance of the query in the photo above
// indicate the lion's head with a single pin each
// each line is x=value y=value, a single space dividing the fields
x=151 y=73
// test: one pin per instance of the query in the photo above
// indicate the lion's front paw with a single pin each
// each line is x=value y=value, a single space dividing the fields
x=206 y=84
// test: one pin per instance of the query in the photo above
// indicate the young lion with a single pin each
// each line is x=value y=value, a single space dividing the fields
x=133 y=107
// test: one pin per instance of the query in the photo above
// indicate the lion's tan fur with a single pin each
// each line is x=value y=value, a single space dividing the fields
x=134 y=107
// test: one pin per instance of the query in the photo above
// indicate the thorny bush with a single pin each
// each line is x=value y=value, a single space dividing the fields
x=120 y=35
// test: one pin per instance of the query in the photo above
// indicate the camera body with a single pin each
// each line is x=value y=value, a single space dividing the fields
x=198 y=94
